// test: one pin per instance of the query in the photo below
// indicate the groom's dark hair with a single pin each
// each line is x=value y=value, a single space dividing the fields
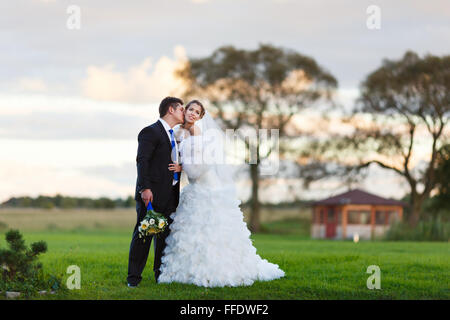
x=166 y=103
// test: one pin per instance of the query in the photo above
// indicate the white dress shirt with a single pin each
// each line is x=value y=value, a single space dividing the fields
x=167 y=128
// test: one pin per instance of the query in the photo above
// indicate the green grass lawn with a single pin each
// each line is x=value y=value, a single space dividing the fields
x=315 y=269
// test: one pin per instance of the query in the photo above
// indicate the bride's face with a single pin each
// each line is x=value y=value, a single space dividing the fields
x=193 y=113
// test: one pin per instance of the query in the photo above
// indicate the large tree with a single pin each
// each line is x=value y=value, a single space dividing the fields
x=257 y=89
x=441 y=200
x=404 y=105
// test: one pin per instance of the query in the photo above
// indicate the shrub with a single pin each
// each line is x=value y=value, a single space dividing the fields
x=20 y=270
x=431 y=230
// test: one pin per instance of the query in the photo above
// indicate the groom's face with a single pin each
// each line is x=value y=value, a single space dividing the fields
x=178 y=113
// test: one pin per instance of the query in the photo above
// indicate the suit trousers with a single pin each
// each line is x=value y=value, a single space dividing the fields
x=139 y=249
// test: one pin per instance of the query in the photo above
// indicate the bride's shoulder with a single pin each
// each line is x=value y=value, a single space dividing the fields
x=182 y=133
x=195 y=130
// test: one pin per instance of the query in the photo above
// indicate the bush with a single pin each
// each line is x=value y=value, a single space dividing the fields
x=20 y=270
x=432 y=230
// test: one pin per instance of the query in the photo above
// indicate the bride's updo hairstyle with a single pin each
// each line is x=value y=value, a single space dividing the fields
x=198 y=103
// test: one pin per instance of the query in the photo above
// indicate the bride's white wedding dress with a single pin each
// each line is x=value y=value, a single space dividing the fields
x=209 y=242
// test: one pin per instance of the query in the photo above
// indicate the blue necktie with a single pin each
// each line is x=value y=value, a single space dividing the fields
x=175 y=174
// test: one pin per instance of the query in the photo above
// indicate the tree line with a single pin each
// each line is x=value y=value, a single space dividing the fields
x=65 y=202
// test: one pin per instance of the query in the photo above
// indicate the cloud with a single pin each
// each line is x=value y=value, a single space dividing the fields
x=142 y=83
x=71 y=125
x=48 y=117
x=36 y=41
x=32 y=180
x=68 y=154
x=121 y=174
x=32 y=84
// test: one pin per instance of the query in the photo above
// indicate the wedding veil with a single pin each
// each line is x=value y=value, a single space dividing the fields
x=214 y=149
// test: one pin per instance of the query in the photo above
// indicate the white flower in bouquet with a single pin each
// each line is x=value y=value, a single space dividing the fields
x=153 y=223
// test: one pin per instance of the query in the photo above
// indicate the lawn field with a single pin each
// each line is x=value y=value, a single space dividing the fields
x=98 y=241
x=315 y=269
x=75 y=219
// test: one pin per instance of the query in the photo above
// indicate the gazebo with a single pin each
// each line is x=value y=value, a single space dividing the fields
x=355 y=212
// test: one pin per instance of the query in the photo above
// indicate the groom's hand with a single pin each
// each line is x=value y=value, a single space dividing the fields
x=147 y=196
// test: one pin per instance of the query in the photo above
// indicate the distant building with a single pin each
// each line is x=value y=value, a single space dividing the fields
x=354 y=213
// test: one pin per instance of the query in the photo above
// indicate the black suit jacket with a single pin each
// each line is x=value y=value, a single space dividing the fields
x=152 y=162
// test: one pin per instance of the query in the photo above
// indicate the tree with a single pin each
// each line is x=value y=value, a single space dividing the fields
x=417 y=91
x=257 y=89
x=20 y=269
x=18 y=262
x=400 y=102
x=441 y=201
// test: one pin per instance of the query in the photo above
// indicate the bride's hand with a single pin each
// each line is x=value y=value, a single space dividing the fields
x=194 y=130
x=175 y=167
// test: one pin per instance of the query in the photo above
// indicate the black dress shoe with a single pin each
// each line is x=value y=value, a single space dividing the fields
x=132 y=285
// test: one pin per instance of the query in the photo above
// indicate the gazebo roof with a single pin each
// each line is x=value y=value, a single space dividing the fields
x=357 y=196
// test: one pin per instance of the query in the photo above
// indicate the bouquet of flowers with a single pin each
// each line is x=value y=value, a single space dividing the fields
x=153 y=223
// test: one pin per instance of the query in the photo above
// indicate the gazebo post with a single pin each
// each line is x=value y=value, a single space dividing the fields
x=314 y=215
x=344 y=222
x=372 y=222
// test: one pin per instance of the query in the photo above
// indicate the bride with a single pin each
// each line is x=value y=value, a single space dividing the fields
x=209 y=242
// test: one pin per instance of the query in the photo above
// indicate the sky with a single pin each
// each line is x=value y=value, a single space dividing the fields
x=72 y=100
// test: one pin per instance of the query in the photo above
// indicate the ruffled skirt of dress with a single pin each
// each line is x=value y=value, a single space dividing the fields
x=209 y=242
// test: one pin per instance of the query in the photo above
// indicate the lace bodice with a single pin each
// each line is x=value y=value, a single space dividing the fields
x=192 y=151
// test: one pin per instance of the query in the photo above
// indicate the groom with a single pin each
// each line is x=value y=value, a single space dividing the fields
x=157 y=183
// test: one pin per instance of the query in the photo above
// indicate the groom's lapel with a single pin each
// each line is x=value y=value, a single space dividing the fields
x=163 y=132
